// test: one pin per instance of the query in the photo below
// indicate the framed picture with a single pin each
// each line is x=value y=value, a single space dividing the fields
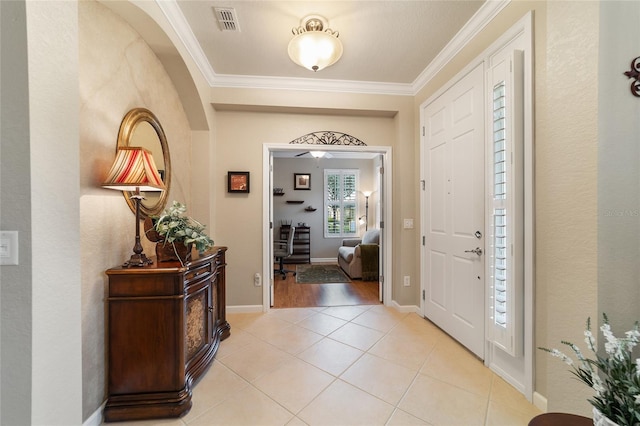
x=238 y=182
x=301 y=181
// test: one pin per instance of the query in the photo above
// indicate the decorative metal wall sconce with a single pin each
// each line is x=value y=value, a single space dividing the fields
x=634 y=73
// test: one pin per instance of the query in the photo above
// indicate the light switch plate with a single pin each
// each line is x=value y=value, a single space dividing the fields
x=8 y=247
x=408 y=224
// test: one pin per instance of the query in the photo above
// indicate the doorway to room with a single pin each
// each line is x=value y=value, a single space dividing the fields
x=300 y=208
x=290 y=294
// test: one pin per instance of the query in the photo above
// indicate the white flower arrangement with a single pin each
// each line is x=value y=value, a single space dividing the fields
x=615 y=378
x=174 y=227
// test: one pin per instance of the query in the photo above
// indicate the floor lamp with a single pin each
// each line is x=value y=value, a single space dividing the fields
x=366 y=194
x=134 y=170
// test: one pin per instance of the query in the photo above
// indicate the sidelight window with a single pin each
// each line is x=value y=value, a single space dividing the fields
x=506 y=252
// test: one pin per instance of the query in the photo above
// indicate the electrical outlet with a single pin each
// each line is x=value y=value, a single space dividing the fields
x=257 y=280
x=407 y=281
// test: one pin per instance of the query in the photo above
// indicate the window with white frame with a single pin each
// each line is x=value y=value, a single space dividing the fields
x=340 y=202
x=506 y=203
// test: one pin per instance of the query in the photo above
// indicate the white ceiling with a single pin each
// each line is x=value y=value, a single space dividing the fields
x=385 y=42
x=389 y=46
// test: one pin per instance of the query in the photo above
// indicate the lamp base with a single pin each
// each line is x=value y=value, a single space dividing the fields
x=137 y=259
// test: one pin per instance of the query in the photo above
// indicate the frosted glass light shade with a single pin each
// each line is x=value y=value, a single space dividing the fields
x=315 y=50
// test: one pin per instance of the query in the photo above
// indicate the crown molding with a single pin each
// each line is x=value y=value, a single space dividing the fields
x=478 y=21
x=310 y=84
x=179 y=23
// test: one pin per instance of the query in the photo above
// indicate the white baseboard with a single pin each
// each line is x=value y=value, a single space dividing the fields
x=333 y=260
x=513 y=381
x=540 y=401
x=96 y=418
x=244 y=309
x=405 y=308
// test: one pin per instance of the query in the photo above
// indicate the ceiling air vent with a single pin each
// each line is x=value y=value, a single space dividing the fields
x=227 y=19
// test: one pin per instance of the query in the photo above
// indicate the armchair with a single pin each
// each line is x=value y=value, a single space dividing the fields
x=281 y=250
x=358 y=258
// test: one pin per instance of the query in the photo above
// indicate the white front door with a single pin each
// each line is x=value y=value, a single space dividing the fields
x=453 y=200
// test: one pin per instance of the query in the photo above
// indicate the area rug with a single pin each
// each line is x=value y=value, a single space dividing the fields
x=320 y=274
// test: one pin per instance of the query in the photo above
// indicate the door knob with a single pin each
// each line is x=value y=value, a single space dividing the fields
x=476 y=250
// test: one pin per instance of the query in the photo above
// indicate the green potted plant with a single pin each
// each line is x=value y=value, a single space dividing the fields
x=614 y=375
x=175 y=234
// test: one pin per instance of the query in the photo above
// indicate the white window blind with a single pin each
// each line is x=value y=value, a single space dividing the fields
x=340 y=202
x=506 y=256
x=500 y=212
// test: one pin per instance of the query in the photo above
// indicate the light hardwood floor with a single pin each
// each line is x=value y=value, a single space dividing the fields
x=289 y=294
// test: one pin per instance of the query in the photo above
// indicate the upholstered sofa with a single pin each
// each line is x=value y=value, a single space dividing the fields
x=358 y=257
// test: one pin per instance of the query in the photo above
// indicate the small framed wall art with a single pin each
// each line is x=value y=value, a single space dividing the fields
x=238 y=182
x=301 y=181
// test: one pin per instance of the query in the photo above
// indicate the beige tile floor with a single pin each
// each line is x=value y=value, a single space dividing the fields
x=356 y=365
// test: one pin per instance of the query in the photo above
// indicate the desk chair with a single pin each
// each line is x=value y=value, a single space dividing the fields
x=283 y=249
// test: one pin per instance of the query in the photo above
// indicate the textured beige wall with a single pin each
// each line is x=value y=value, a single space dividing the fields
x=618 y=169
x=566 y=193
x=118 y=72
x=334 y=107
x=240 y=135
x=52 y=52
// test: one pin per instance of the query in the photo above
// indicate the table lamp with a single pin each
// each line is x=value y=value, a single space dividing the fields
x=134 y=170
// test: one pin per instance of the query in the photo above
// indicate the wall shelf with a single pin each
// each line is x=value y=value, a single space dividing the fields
x=301 y=244
x=294 y=202
x=310 y=209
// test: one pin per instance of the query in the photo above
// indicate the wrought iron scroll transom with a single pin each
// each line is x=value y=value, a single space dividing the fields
x=328 y=138
x=634 y=73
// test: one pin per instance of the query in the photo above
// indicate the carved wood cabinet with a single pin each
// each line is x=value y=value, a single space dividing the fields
x=165 y=323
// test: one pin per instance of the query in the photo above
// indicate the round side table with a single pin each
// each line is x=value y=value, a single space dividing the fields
x=560 y=419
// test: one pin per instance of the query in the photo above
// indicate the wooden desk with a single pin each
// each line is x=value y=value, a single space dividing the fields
x=560 y=419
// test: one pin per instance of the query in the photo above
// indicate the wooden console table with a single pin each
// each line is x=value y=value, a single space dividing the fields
x=165 y=323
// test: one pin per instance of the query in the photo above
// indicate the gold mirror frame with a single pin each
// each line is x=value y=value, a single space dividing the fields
x=125 y=138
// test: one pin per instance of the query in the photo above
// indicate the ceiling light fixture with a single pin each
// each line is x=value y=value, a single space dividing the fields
x=317 y=154
x=313 y=46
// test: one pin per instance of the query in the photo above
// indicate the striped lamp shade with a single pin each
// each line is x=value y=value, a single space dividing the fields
x=134 y=170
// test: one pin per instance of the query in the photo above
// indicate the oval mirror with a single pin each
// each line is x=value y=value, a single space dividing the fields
x=140 y=127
